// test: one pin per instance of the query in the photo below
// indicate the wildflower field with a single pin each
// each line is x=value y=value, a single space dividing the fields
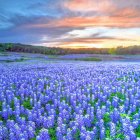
x=69 y=101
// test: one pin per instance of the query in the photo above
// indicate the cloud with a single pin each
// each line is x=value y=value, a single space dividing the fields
x=89 y=5
x=104 y=21
x=71 y=22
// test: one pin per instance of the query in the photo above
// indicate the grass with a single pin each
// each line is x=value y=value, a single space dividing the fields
x=4 y=54
x=88 y=59
x=53 y=56
x=15 y=60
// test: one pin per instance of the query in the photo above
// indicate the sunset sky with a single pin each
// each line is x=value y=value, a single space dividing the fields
x=70 y=23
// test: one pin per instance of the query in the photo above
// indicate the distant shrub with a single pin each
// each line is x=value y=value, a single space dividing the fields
x=89 y=59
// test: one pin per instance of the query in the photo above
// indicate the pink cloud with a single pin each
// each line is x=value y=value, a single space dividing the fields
x=89 y=5
x=105 y=21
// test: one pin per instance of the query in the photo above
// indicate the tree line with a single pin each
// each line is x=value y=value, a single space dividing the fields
x=17 y=47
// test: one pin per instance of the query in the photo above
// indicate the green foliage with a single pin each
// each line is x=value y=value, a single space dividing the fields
x=77 y=135
x=9 y=46
x=85 y=112
x=111 y=108
x=93 y=102
x=120 y=95
x=89 y=59
x=112 y=51
x=16 y=60
x=107 y=133
x=126 y=116
x=1 y=119
x=112 y=96
x=53 y=56
x=94 y=120
x=18 y=97
x=52 y=133
x=24 y=116
x=5 y=46
x=136 y=111
x=13 y=86
x=120 y=79
x=50 y=102
x=37 y=131
x=120 y=136
x=106 y=117
x=117 y=94
x=137 y=131
x=63 y=99
x=12 y=117
x=27 y=104
x=57 y=111
x=33 y=138
x=2 y=48
x=0 y=106
x=12 y=105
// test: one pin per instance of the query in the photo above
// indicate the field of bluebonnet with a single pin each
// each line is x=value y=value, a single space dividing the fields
x=67 y=100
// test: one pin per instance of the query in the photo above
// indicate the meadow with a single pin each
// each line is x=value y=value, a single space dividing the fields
x=45 y=99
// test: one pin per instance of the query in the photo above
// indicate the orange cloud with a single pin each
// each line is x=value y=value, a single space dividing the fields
x=93 y=13
x=108 y=15
x=104 y=21
x=128 y=12
x=89 y=5
x=98 y=21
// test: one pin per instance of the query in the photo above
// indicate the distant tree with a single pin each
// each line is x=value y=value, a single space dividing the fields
x=112 y=51
x=8 y=46
x=1 y=47
x=61 y=51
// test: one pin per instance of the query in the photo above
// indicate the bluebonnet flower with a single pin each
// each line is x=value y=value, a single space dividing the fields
x=112 y=129
x=44 y=135
x=69 y=100
x=82 y=136
x=127 y=137
x=102 y=133
x=133 y=136
x=88 y=137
